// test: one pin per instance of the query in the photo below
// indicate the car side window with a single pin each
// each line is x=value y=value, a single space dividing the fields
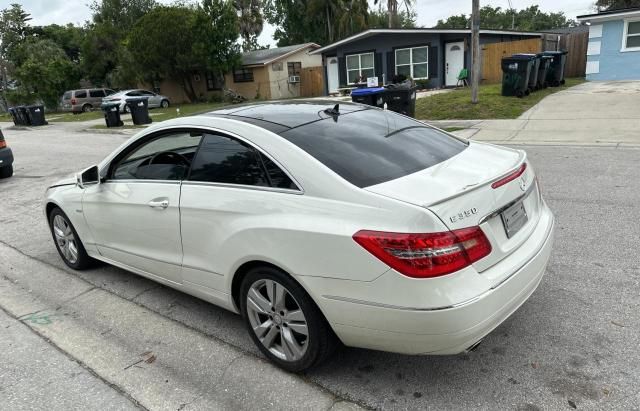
x=222 y=159
x=146 y=93
x=81 y=94
x=96 y=93
x=277 y=177
x=164 y=157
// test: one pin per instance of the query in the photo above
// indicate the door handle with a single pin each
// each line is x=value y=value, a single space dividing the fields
x=159 y=204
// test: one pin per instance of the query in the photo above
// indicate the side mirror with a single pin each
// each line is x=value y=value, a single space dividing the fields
x=90 y=176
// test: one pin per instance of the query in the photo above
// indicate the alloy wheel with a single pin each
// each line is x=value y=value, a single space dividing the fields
x=65 y=240
x=277 y=320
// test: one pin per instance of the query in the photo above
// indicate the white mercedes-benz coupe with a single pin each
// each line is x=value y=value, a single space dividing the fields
x=318 y=224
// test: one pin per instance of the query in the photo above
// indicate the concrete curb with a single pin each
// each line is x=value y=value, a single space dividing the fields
x=158 y=362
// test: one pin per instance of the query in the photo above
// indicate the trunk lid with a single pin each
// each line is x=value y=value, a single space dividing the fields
x=459 y=191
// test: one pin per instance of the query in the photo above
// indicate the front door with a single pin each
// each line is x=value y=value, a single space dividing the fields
x=333 y=80
x=135 y=214
x=454 y=62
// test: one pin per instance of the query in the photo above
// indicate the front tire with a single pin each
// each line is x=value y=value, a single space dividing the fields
x=67 y=241
x=6 y=171
x=283 y=320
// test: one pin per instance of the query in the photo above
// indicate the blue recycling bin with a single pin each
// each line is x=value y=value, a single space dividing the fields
x=372 y=96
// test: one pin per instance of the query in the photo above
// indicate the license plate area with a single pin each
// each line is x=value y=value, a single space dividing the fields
x=514 y=218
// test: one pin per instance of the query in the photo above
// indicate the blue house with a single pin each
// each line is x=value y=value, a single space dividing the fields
x=433 y=55
x=614 y=45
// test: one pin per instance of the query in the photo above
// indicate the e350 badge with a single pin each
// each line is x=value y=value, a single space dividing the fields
x=463 y=215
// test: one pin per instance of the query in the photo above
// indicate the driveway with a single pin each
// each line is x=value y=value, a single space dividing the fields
x=592 y=113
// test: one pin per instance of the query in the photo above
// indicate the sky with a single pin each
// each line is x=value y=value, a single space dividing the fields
x=429 y=11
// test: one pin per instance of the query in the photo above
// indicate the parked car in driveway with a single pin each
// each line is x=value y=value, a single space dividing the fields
x=83 y=100
x=319 y=224
x=6 y=158
x=154 y=100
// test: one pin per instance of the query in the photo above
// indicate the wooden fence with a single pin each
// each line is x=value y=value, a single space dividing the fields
x=312 y=82
x=492 y=55
x=575 y=44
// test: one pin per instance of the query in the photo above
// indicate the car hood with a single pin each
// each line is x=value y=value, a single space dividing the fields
x=68 y=180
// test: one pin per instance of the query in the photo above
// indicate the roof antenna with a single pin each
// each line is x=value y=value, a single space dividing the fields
x=335 y=111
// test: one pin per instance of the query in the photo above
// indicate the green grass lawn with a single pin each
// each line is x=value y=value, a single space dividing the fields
x=456 y=105
x=157 y=114
x=162 y=114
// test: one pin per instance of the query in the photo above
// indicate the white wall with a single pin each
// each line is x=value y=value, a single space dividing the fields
x=280 y=88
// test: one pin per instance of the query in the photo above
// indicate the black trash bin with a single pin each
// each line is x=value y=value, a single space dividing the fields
x=112 y=114
x=139 y=108
x=23 y=117
x=14 y=116
x=36 y=115
x=515 y=75
x=535 y=69
x=555 y=75
x=401 y=100
x=373 y=96
x=545 y=63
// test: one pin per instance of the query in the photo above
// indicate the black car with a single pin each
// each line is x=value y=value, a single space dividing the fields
x=6 y=158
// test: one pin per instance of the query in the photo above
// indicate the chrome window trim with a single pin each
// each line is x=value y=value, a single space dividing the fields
x=142 y=181
x=242 y=186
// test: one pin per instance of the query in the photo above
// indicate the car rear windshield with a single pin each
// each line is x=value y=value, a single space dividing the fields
x=370 y=147
x=66 y=95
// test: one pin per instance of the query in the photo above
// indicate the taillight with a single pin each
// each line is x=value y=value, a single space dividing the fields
x=510 y=177
x=426 y=255
x=73 y=101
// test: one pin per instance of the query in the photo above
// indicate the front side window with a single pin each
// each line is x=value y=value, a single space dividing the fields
x=242 y=75
x=413 y=62
x=166 y=157
x=632 y=38
x=81 y=94
x=359 y=67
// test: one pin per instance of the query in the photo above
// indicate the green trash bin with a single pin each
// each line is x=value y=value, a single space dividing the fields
x=545 y=63
x=533 y=76
x=515 y=75
x=555 y=75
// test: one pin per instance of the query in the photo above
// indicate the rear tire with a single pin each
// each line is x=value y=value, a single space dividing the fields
x=87 y=108
x=6 y=171
x=164 y=104
x=283 y=321
x=68 y=242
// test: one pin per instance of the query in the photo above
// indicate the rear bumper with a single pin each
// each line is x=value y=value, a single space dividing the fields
x=6 y=157
x=449 y=330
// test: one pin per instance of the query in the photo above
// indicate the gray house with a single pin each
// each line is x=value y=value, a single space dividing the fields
x=437 y=55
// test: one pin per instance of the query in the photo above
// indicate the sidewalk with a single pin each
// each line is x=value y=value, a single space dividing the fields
x=594 y=113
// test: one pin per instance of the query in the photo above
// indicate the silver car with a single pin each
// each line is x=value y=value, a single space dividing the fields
x=155 y=100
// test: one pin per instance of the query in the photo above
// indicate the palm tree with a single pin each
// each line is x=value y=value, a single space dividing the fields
x=330 y=10
x=392 y=10
x=354 y=17
x=250 y=21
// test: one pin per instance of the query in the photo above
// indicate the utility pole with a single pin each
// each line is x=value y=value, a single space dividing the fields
x=475 y=50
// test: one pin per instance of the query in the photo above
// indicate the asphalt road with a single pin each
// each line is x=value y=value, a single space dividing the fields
x=573 y=344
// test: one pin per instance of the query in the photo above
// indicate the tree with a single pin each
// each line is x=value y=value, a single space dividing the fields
x=178 y=41
x=120 y=14
x=529 y=19
x=379 y=19
x=606 y=5
x=354 y=18
x=43 y=71
x=14 y=28
x=68 y=37
x=250 y=21
x=392 y=11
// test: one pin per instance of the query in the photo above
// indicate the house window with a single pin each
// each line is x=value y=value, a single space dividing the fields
x=214 y=81
x=631 y=38
x=294 y=68
x=360 y=66
x=413 y=62
x=243 y=75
